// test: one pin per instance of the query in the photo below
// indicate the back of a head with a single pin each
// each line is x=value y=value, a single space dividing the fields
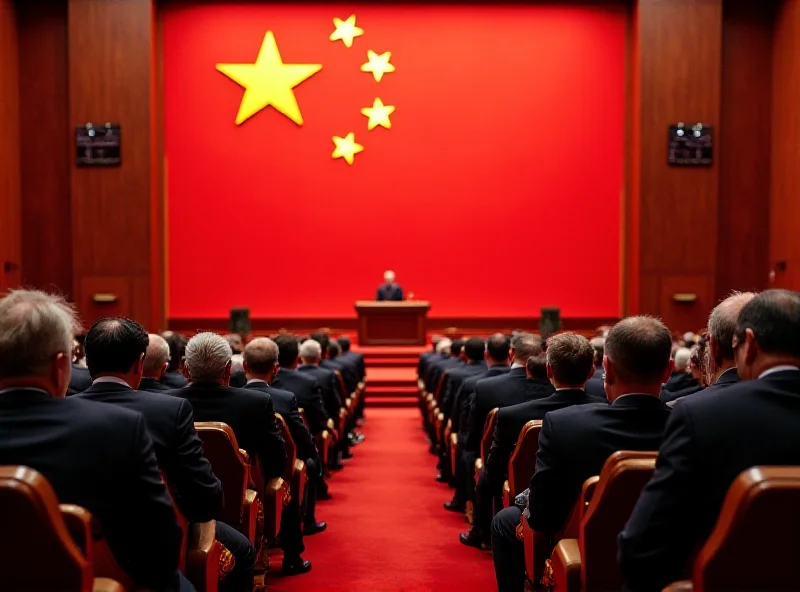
x=344 y=343
x=310 y=350
x=34 y=328
x=322 y=338
x=498 y=347
x=207 y=356
x=682 y=357
x=536 y=367
x=114 y=345
x=722 y=323
x=235 y=341
x=599 y=346
x=774 y=319
x=475 y=349
x=571 y=358
x=333 y=349
x=526 y=345
x=444 y=346
x=260 y=356
x=288 y=350
x=157 y=356
x=638 y=349
x=177 y=349
x=456 y=347
x=435 y=339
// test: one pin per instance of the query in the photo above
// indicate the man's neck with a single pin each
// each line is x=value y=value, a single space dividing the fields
x=563 y=387
x=724 y=367
x=622 y=389
x=28 y=382
x=771 y=361
x=156 y=378
x=265 y=377
x=491 y=363
x=129 y=379
x=310 y=362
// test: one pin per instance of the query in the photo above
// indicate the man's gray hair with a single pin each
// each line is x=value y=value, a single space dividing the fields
x=722 y=321
x=682 y=357
x=34 y=328
x=207 y=355
x=260 y=355
x=157 y=355
x=443 y=347
x=310 y=349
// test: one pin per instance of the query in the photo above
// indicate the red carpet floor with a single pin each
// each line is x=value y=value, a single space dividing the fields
x=387 y=529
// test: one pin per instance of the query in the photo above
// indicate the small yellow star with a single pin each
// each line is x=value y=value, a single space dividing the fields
x=346 y=147
x=269 y=82
x=378 y=114
x=378 y=64
x=346 y=30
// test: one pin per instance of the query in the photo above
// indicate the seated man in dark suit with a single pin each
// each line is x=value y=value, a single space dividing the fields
x=352 y=357
x=712 y=437
x=156 y=362
x=117 y=349
x=251 y=416
x=389 y=290
x=97 y=456
x=681 y=378
x=260 y=366
x=426 y=357
x=576 y=441
x=302 y=385
x=451 y=358
x=594 y=386
x=569 y=365
x=174 y=377
x=501 y=391
x=348 y=370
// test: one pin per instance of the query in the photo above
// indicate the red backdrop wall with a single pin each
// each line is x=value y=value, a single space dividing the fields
x=496 y=192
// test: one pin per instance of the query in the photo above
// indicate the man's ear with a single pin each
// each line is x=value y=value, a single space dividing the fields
x=549 y=371
x=668 y=373
x=713 y=348
x=751 y=345
x=608 y=370
x=228 y=367
x=163 y=369
x=61 y=373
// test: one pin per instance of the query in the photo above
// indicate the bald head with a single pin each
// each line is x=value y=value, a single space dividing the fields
x=156 y=358
x=261 y=358
x=722 y=325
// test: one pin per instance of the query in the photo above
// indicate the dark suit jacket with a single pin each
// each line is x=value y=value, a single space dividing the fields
x=679 y=381
x=179 y=450
x=389 y=292
x=424 y=359
x=348 y=372
x=454 y=381
x=502 y=391
x=309 y=396
x=710 y=438
x=152 y=385
x=595 y=386
x=575 y=443
x=511 y=420
x=329 y=385
x=357 y=359
x=439 y=368
x=174 y=380
x=250 y=414
x=80 y=380
x=99 y=457
x=285 y=403
x=466 y=392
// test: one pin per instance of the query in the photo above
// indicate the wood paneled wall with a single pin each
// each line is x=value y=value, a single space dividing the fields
x=9 y=149
x=784 y=245
x=111 y=79
x=45 y=145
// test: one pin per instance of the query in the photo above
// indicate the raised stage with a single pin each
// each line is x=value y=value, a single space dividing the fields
x=391 y=374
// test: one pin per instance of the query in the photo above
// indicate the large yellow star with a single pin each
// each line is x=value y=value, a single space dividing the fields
x=378 y=64
x=269 y=82
x=346 y=30
x=346 y=147
x=378 y=114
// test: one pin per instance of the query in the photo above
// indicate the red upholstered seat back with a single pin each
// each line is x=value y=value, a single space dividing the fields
x=488 y=433
x=230 y=465
x=37 y=551
x=754 y=545
x=291 y=448
x=622 y=479
x=523 y=459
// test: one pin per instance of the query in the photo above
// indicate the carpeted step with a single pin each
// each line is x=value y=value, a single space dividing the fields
x=389 y=401
x=388 y=390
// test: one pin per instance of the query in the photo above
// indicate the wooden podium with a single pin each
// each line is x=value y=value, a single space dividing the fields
x=391 y=323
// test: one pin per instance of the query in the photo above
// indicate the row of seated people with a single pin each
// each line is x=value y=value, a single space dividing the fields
x=129 y=449
x=632 y=485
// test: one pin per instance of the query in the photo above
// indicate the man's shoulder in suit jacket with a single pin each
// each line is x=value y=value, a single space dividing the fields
x=575 y=442
x=170 y=422
x=454 y=381
x=152 y=385
x=100 y=457
x=464 y=394
x=710 y=438
x=309 y=396
x=174 y=380
x=249 y=413
x=80 y=380
x=679 y=381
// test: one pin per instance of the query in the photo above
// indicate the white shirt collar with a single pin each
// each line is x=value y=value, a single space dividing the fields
x=569 y=389
x=724 y=372
x=517 y=365
x=778 y=369
x=255 y=380
x=113 y=379
x=23 y=388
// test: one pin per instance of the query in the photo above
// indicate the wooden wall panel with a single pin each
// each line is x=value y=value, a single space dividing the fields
x=45 y=145
x=679 y=75
x=111 y=78
x=10 y=259
x=744 y=147
x=785 y=199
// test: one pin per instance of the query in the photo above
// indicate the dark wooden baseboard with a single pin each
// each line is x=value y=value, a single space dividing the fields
x=454 y=326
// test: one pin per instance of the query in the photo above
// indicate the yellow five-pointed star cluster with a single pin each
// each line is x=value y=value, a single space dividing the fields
x=346 y=147
x=269 y=82
x=378 y=64
x=346 y=30
x=378 y=114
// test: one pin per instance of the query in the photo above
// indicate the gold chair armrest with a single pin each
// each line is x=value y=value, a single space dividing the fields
x=681 y=586
x=107 y=585
x=276 y=492
x=249 y=515
x=79 y=525
x=506 y=494
x=203 y=555
x=478 y=467
x=299 y=478
x=453 y=450
x=563 y=569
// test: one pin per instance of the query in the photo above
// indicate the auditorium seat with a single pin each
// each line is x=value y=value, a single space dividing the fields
x=756 y=532
x=590 y=561
x=324 y=442
x=38 y=550
x=295 y=473
x=486 y=442
x=523 y=461
x=243 y=506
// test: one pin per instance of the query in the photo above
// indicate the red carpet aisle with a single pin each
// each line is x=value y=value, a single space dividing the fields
x=387 y=529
